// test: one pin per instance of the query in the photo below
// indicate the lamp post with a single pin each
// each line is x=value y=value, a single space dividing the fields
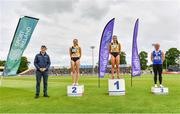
x=92 y=47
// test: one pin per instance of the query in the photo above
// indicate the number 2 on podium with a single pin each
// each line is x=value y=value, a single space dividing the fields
x=74 y=90
x=117 y=84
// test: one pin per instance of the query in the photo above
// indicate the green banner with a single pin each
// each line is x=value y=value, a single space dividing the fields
x=22 y=36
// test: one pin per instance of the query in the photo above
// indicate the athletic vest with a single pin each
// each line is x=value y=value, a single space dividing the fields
x=157 y=57
x=75 y=51
x=115 y=47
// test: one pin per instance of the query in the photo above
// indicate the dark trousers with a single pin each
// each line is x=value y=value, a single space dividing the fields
x=39 y=75
x=157 y=69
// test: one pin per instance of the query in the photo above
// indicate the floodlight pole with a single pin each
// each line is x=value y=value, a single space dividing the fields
x=92 y=47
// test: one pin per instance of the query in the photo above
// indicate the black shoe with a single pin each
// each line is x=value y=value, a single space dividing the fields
x=37 y=96
x=46 y=96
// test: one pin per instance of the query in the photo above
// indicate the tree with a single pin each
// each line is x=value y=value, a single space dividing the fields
x=172 y=57
x=123 y=58
x=24 y=64
x=2 y=63
x=143 y=60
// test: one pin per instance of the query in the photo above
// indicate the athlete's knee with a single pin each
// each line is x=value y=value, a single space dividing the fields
x=77 y=71
x=73 y=71
x=38 y=83
x=117 y=66
x=155 y=76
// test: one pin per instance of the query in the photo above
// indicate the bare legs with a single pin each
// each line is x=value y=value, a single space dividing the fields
x=75 y=71
x=117 y=66
x=115 y=61
x=113 y=64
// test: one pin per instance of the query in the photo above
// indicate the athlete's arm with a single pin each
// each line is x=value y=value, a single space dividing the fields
x=163 y=56
x=80 y=51
x=151 y=57
x=70 y=52
x=119 y=47
x=110 y=48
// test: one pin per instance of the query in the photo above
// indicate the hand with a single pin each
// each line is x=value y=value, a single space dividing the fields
x=42 y=69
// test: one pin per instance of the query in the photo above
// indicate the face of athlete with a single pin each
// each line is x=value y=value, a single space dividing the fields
x=43 y=50
x=157 y=46
x=75 y=42
x=114 y=39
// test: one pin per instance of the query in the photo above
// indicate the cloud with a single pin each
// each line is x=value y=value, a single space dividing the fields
x=92 y=9
x=88 y=9
x=62 y=20
x=50 y=7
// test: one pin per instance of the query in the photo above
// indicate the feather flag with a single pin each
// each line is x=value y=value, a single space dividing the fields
x=136 y=67
x=22 y=36
x=104 y=47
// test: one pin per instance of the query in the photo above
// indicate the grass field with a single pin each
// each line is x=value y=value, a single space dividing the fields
x=17 y=95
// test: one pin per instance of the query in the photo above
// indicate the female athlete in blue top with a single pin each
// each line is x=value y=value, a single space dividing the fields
x=157 y=57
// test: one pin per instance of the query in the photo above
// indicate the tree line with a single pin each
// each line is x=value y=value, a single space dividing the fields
x=172 y=57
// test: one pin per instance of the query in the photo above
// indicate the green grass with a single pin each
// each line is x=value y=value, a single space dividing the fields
x=17 y=95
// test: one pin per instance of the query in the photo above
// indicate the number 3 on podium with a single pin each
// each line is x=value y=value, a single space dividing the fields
x=117 y=84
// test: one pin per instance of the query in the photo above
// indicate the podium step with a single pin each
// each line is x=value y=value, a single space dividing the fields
x=75 y=91
x=159 y=90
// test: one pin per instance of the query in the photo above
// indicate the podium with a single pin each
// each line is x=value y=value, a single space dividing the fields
x=159 y=90
x=75 y=91
x=116 y=87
